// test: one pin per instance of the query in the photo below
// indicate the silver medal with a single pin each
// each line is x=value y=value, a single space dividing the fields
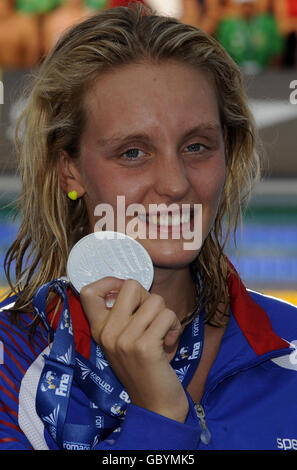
x=102 y=254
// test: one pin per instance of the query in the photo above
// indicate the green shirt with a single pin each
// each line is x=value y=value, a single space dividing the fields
x=96 y=4
x=256 y=41
x=44 y=6
x=37 y=6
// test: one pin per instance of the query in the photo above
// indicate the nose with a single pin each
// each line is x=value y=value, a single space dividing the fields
x=171 y=178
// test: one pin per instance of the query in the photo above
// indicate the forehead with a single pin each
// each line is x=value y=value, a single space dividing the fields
x=150 y=94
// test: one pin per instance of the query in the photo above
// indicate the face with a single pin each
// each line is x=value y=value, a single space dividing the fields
x=153 y=136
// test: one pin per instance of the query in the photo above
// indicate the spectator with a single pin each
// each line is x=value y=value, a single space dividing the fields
x=250 y=36
x=201 y=13
x=97 y=4
x=37 y=6
x=286 y=16
x=19 y=37
x=230 y=7
x=63 y=17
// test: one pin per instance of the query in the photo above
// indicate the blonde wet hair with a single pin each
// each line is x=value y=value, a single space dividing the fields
x=54 y=118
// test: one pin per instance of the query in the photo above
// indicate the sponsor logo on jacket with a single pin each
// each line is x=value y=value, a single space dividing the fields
x=286 y=443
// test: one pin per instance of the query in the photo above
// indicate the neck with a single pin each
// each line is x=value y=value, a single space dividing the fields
x=177 y=289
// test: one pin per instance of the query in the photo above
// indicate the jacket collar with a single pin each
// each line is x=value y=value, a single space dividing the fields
x=252 y=319
x=249 y=338
x=247 y=318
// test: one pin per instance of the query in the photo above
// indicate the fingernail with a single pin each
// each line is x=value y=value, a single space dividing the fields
x=110 y=299
x=109 y=303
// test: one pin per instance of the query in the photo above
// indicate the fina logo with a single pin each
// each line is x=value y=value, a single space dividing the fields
x=67 y=322
x=63 y=387
x=118 y=410
x=183 y=353
x=50 y=382
x=196 y=350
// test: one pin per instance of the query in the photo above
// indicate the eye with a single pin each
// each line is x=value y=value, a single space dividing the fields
x=195 y=147
x=132 y=154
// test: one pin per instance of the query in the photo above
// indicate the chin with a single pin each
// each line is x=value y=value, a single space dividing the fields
x=169 y=254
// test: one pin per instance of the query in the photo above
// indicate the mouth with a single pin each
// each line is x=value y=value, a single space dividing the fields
x=168 y=222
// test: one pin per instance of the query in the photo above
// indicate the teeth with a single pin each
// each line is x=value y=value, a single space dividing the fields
x=174 y=220
x=153 y=219
x=185 y=218
x=166 y=219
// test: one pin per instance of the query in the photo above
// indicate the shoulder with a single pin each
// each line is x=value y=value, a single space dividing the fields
x=18 y=350
x=282 y=314
x=18 y=356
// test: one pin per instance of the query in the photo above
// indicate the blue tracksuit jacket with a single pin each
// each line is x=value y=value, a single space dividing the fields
x=249 y=401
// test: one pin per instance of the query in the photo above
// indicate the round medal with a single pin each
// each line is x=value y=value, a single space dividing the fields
x=102 y=254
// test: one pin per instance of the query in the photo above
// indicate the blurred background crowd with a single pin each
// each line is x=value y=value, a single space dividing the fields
x=257 y=33
x=260 y=35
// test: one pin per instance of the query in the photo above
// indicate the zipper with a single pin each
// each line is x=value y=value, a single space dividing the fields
x=200 y=412
x=205 y=435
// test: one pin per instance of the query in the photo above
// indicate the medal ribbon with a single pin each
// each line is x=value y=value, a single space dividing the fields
x=108 y=399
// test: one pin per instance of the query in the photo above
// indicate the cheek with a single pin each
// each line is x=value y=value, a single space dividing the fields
x=210 y=180
x=209 y=186
x=104 y=185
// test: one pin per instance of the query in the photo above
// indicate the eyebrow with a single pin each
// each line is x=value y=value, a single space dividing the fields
x=122 y=139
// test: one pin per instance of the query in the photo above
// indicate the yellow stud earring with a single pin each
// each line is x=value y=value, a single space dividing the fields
x=72 y=195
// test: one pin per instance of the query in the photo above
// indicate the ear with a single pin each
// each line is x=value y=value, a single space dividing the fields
x=69 y=175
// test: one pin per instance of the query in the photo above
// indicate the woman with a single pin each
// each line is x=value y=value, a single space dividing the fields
x=142 y=106
x=286 y=17
x=19 y=37
x=202 y=13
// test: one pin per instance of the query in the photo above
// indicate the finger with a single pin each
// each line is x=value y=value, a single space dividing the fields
x=130 y=297
x=164 y=327
x=172 y=336
x=110 y=299
x=152 y=306
x=93 y=297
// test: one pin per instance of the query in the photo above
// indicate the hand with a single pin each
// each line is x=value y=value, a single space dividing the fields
x=133 y=335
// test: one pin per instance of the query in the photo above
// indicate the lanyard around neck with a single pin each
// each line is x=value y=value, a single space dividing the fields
x=107 y=397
